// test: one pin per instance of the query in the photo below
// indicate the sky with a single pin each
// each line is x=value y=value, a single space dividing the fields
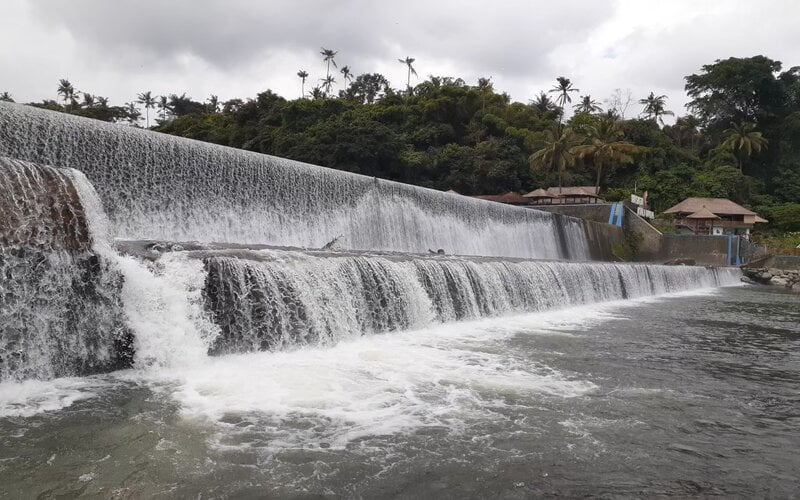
x=237 y=48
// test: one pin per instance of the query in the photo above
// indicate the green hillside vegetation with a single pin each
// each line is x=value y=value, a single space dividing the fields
x=740 y=141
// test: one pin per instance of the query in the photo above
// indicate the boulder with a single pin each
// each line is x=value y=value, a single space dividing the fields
x=778 y=281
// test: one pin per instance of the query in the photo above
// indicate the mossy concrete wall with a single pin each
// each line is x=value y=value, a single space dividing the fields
x=650 y=244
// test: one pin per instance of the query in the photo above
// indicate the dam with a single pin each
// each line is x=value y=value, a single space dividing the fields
x=184 y=319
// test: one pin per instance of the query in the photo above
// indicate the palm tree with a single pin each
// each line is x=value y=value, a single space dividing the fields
x=408 y=61
x=163 y=106
x=543 y=104
x=556 y=152
x=606 y=145
x=213 y=103
x=743 y=140
x=5 y=96
x=66 y=90
x=328 y=57
x=317 y=93
x=148 y=101
x=327 y=82
x=346 y=74
x=303 y=75
x=563 y=89
x=102 y=101
x=655 y=107
x=134 y=115
x=588 y=105
x=88 y=100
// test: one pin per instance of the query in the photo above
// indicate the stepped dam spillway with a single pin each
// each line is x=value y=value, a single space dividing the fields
x=75 y=302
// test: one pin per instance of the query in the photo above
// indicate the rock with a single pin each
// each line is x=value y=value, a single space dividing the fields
x=778 y=281
x=796 y=287
x=765 y=275
x=774 y=272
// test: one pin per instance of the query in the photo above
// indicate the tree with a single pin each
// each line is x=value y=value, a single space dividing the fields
x=134 y=114
x=562 y=89
x=555 y=152
x=302 y=75
x=543 y=104
x=347 y=76
x=163 y=106
x=687 y=126
x=408 y=61
x=327 y=82
x=66 y=90
x=88 y=100
x=588 y=105
x=743 y=140
x=655 y=107
x=147 y=100
x=619 y=102
x=606 y=146
x=5 y=96
x=737 y=90
x=180 y=105
x=213 y=103
x=366 y=89
x=328 y=56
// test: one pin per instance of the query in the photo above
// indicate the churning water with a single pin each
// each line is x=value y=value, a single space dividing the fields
x=683 y=395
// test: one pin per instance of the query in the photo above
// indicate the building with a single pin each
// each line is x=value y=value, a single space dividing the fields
x=510 y=198
x=714 y=216
x=569 y=195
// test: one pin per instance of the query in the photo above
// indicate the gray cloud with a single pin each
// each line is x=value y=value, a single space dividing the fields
x=240 y=47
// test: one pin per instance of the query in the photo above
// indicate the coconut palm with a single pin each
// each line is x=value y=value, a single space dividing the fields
x=163 y=106
x=147 y=100
x=347 y=75
x=743 y=140
x=563 y=88
x=316 y=93
x=543 y=104
x=134 y=114
x=588 y=105
x=606 y=146
x=408 y=61
x=556 y=151
x=327 y=82
x=655 y=107
x=328 y=56
x=66 y=90
x=303 y=75
x=5 y=96
x=88 y=100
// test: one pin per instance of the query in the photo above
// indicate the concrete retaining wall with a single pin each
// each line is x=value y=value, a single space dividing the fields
x=653 y=246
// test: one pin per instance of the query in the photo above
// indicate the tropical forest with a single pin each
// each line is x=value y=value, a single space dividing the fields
x=739 y=137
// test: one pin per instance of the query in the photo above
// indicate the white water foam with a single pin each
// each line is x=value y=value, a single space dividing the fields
x=31 y=397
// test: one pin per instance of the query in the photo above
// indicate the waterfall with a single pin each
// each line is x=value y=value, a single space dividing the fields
x=71 y=303
x=60 y=306
x=156 y=186
x=282 y=299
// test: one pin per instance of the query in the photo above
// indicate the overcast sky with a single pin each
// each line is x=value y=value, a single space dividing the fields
x=237 y=48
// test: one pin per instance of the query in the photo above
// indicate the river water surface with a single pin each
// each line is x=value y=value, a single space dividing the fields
x=692 y=394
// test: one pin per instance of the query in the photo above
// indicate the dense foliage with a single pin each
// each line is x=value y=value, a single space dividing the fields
x=742 y=140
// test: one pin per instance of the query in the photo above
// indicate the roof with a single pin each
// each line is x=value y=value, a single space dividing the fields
x=510 y=197
x=718 y=206
x=571 y=191
x=538 y=193
x=761 y=219
x=703 y=213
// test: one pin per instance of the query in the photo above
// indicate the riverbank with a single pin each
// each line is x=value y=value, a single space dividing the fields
x=778 y=270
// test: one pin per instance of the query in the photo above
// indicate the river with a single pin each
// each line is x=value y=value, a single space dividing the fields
x=690 y=394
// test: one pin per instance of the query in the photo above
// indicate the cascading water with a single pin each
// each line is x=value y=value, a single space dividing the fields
x=156 y=186
x=60 y=308
x=279 y=299
x=71 y=304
